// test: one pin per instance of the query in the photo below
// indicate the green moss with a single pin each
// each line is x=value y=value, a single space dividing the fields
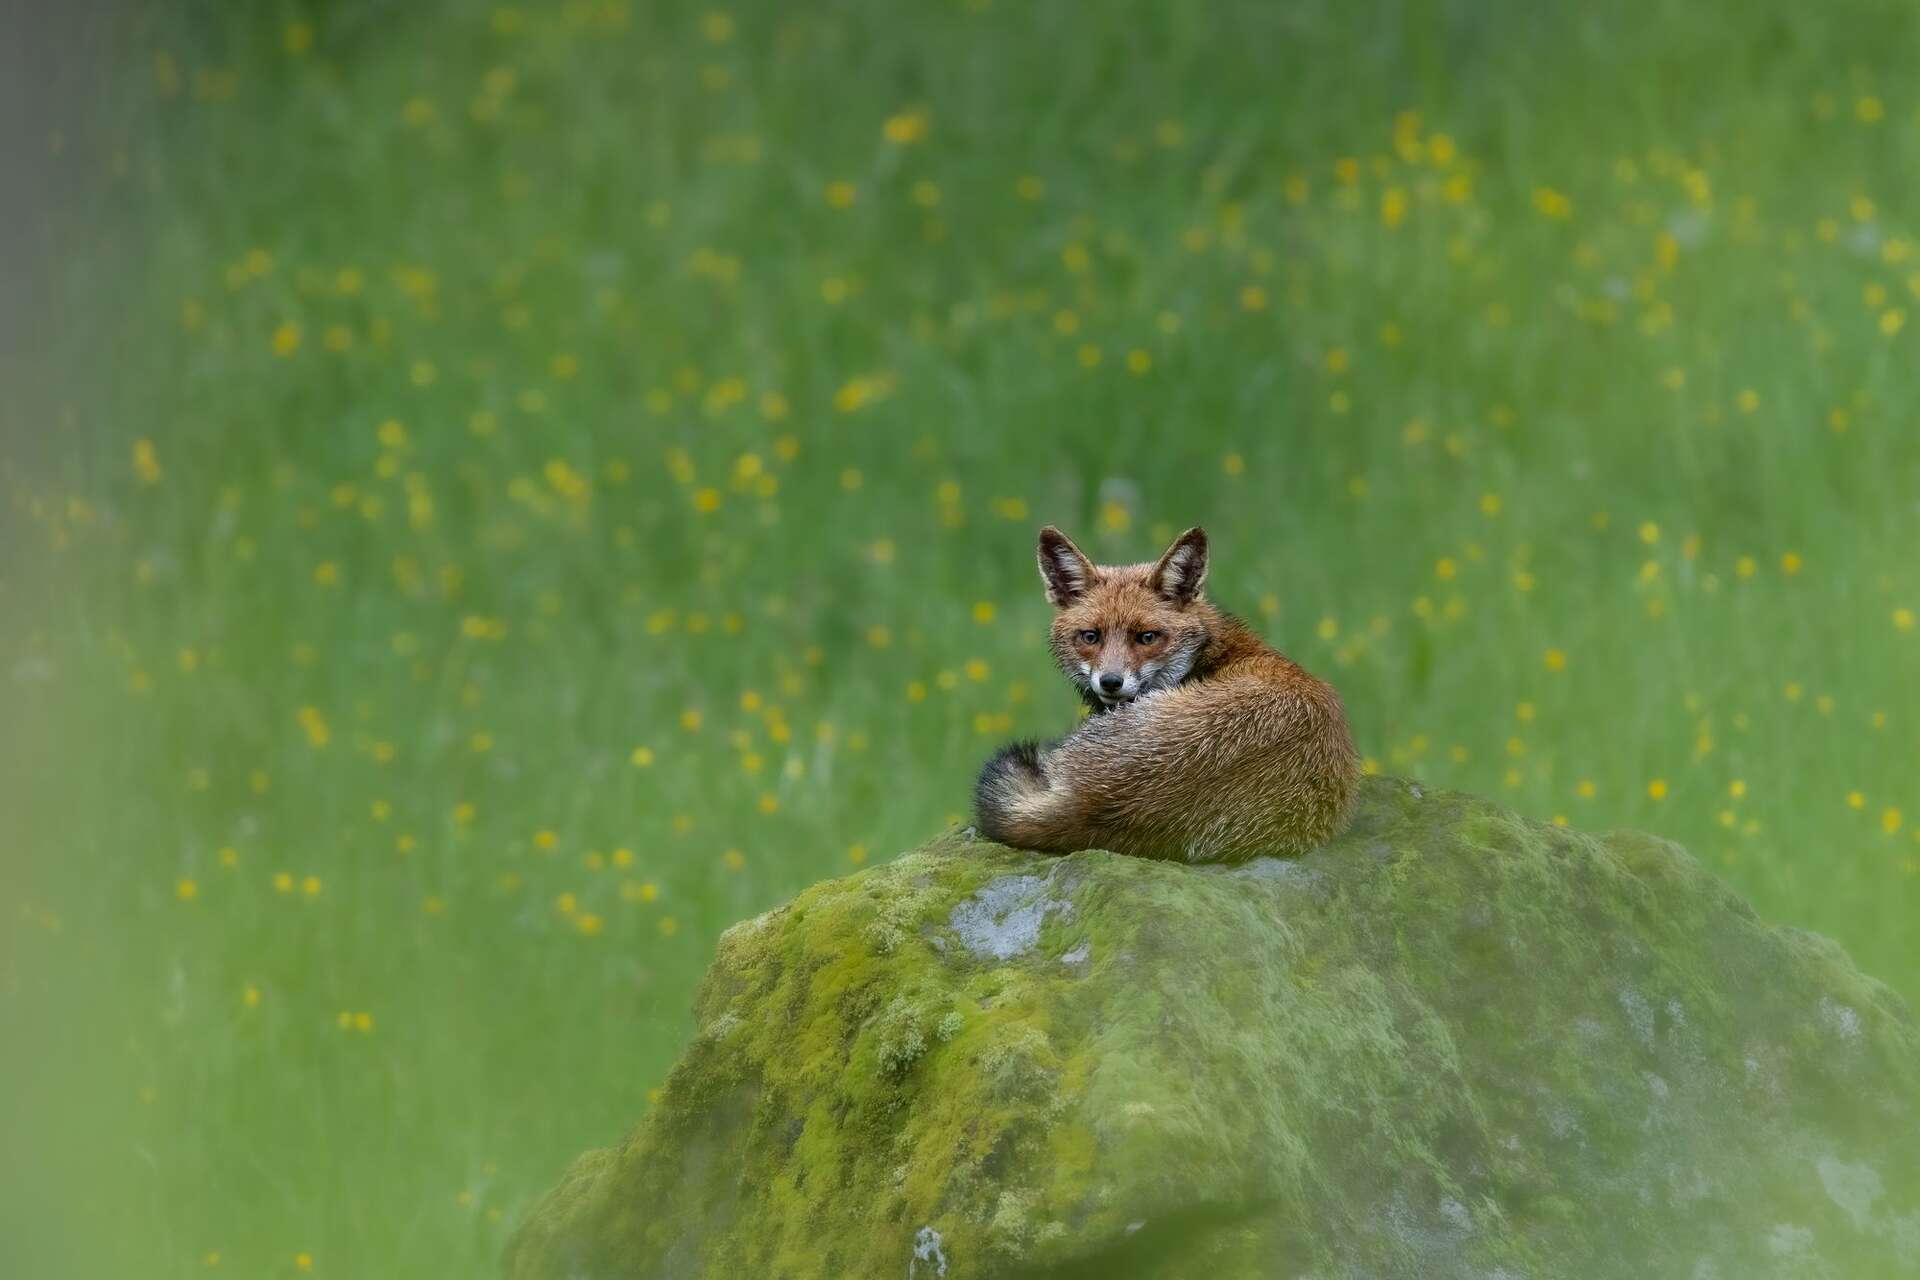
x=1450 y=1042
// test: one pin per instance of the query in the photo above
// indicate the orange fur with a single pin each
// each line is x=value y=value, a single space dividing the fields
x=1204 y=745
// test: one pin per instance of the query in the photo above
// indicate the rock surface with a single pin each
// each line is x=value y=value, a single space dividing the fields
x=1451 y=1043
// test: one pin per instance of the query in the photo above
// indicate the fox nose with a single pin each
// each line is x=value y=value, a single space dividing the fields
x=1111 y=683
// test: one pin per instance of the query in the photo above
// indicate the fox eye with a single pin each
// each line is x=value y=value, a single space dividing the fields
x=1147 y=637
x=1089 y=637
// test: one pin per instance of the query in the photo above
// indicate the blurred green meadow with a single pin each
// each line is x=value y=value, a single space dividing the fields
x=497 y=493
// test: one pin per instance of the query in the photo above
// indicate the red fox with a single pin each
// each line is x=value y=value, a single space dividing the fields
x=1204 y=745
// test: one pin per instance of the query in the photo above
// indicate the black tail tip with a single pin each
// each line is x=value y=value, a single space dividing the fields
x=1023 y=755
x=1009 y=770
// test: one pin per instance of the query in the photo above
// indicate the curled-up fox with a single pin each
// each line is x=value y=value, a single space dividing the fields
x=1203 y=744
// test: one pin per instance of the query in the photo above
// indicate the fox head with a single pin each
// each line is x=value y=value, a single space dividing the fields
x=1120 y=631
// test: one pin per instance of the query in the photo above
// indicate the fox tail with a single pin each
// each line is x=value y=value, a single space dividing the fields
x=1011 y=789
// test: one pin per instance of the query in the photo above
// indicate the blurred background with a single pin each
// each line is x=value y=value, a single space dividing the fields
x=493 y=494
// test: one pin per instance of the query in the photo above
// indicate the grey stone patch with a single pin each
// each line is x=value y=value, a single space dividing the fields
x=1002 y=920
x=1763 y=1070
x=927 y=1248
x=1787 y=1240
x=1380 y=849
x=1639 y=1014
x=1842 y=1018
x=1287 y=871
x=1078 y=957
x=1854 y=1187
x=1561 y=1121
x=1135 y=1225
x=1437 y=1234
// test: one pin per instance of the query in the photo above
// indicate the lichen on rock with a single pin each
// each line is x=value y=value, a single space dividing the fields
x=1450 y=1043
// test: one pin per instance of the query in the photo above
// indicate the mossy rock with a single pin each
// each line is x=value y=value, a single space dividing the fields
x=1452 y=1043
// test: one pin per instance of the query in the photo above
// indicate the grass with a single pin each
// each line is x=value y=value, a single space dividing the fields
x=499 y=493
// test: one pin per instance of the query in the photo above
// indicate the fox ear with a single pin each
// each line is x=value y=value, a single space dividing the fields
x=1182 y=571
x=1063 y=568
